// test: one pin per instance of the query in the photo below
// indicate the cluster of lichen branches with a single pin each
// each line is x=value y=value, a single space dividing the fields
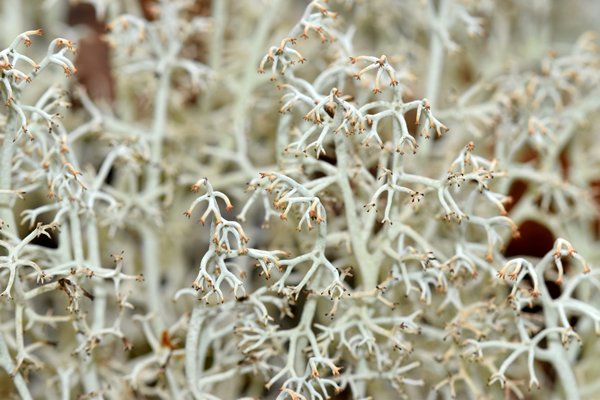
x=353 y=237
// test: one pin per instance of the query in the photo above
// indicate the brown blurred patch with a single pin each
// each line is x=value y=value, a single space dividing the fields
x=94 y=72
x=84 y=14
x=201 y=8
x=565 y=163
x=149 y=9
x=196 y=47
x=93 y=55
x=535 y=241
x=7 y=389
x=516 y=191
x=527 y=154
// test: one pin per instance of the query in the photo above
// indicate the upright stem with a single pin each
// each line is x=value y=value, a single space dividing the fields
x=436 y=50
x=88 y=371
x=369 y=272
x=159 y=125
x=560 y=362
x=13 y=19
x=216 y=44
x=436 y=59
x=151 y=262
x=558 y=356
x=6 y=214
x=150 y=243
x=93 y=257
x=192 y=370
x=75 y=227
x=248 y=82
x=308 y=314
x=6 y=156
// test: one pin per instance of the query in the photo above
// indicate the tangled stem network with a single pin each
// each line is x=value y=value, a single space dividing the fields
x=371 y=213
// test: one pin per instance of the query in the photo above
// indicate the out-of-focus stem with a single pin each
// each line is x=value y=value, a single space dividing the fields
x=219 y=18
x=13 y=18
x=159 y=126
x=436 y=59
x=436 y=50
x=249 y=80
x=150 y=244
